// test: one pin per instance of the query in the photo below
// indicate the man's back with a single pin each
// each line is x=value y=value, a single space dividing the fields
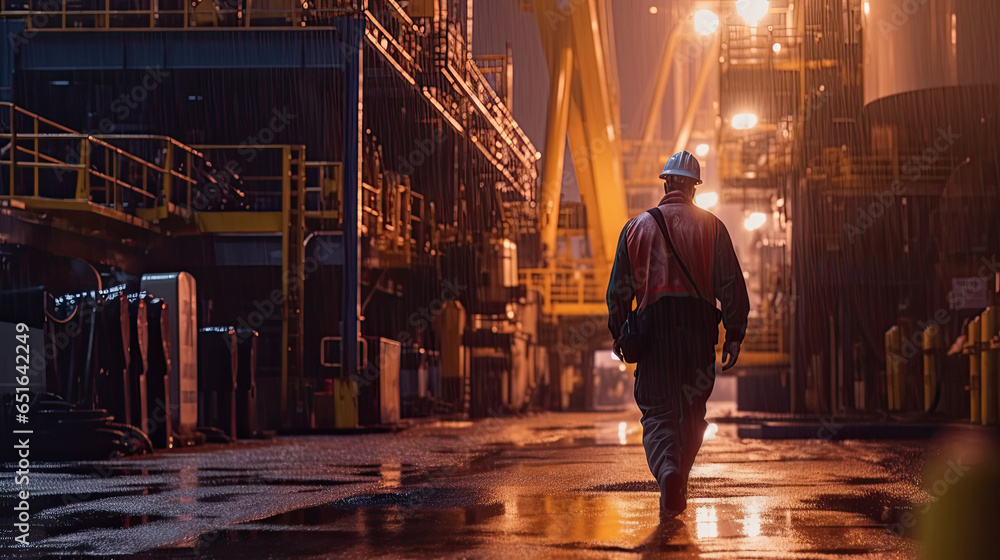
x=646 y=270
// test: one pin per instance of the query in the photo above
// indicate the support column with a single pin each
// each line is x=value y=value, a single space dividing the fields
x=353 y=46
x=555 y=151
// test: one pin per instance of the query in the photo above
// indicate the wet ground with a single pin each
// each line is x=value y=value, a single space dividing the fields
x=549 y=485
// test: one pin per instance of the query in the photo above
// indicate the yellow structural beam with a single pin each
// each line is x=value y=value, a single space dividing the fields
x=238 y=222
x=555 y=150
x=687 y=124
x=56 y=205
x=971 y=349
x=592 y=126
x=988 y=366
x=605 y=195
x=653 y=117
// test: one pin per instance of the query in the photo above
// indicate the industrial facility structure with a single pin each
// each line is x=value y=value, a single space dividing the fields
x=378 y=228
x=863 y=134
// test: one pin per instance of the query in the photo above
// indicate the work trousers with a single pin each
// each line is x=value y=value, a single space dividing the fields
x=673 y=381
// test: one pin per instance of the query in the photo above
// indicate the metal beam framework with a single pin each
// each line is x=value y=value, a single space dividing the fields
x=593 y=130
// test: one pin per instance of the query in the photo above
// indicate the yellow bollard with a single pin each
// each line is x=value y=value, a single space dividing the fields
x=971 y=349
x=931 y=345
x=893 y=362
x=988 y=366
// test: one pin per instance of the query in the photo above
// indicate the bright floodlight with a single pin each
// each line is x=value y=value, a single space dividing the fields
x=776 y=48
x=702 y=150
x=706 y=22
x=752 y=11
x=755 y=221
x=706 y=200
x=744 y=121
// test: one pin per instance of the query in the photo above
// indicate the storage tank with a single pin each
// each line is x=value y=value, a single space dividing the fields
x=933 y=66
x=913 y=45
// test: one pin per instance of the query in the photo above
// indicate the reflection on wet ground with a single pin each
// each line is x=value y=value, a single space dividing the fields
x=531 y=488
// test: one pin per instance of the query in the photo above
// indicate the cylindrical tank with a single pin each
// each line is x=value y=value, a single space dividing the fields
x=914 y=45
x=931 y=72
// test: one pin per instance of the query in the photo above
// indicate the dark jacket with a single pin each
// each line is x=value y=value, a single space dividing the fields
x=644 y=270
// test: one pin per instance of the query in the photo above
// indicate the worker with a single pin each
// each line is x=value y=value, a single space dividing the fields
x=675 y=270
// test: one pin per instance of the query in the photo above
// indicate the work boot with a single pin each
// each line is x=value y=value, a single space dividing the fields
x=672 y=495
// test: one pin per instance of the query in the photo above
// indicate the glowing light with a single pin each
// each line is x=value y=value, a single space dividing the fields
x=622 y=433
x=751 y=523
x=706 y=200
x=776 y=48
x=752 y=11
x=744 y=121
x=702 y=150
x=867 y=8
x=653 y=9
x=710 y=431
x=706 y=22
x=755 y=221
x=707 y=522
x=392 y=475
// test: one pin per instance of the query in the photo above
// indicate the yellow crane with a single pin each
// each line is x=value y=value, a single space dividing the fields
x=583 y=105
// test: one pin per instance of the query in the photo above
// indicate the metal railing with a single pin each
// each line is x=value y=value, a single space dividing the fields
x=448 y=52
x=158 y=175
x=767 y=335
x=569 y=292
x=44 y=159
x=149 y=14
x=745 y=48
x=835 y=165
x=228 y=185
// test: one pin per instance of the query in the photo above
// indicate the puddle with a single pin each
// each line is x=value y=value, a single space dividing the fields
x=219 y=498
x=43 y=502
x=880 y=507
x=212 y=482
x=87 y=520
x=101 y=470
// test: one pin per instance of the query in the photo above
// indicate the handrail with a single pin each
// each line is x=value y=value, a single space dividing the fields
x=118 y=177
x=565 y=287
x=155 y=17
